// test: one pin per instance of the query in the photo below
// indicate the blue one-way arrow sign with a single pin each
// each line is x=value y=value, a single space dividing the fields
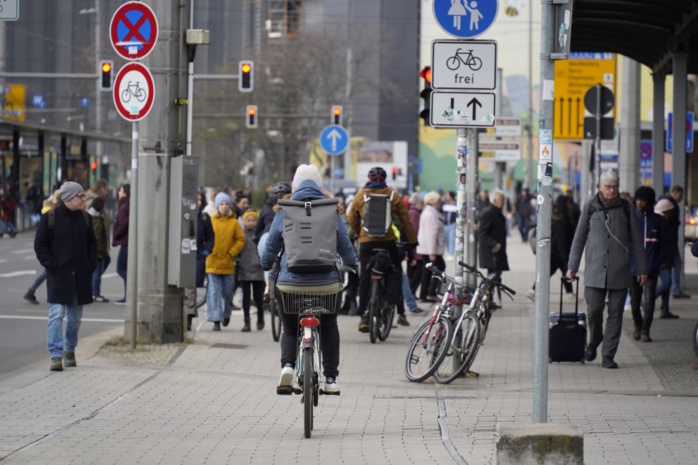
x=334 y=139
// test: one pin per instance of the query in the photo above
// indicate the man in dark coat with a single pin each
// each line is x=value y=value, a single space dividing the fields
x=492 y=234
x=68 y=250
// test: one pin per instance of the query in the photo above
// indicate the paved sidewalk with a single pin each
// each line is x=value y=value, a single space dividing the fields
x=213 y=401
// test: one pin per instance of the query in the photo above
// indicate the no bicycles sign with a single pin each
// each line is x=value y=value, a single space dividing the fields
x=134 y=91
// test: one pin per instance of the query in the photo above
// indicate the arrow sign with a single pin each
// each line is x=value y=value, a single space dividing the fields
x=334 y=139
x=474 y=103
x=462 y=109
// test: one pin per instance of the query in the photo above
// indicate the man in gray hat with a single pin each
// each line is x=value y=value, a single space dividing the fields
x=66 y=246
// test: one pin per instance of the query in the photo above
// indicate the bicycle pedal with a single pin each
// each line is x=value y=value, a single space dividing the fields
x=323 y=393
x=284 y=390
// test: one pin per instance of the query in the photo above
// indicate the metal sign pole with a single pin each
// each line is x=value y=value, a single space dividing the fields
x=543 y=229
x=132 y=267
x=461 y=149
x=597 y=141
x=472 y=183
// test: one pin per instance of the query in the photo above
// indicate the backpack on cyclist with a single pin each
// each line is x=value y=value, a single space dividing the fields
x=310 y=235
x=377 y=216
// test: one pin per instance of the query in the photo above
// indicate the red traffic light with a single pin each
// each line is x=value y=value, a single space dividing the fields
x=426 y=74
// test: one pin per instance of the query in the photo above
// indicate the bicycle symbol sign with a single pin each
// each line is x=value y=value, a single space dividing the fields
x=133 y=30
x=464 y=64
x=134 y=91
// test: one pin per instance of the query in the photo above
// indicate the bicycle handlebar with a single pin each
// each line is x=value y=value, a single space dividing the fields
x=499 y=284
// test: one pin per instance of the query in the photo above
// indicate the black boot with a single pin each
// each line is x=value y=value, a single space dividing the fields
x=29 y=297
x=189 y=319
x=246 y=328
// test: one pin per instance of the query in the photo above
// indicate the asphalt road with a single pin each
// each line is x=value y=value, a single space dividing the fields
x=23 y=325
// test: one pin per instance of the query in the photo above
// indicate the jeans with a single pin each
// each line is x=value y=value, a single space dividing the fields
x=97 y=278
x=6 y=226
x=73 y=314
x=450 y=238
x=523 y=227
x=663 y=289
x=646 y=294
x=122 y=264
x=407 y=294
x=219 y=296
x=39 y=280
x=676 y=275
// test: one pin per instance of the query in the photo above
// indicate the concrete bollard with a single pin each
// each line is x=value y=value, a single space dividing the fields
x=539 y=444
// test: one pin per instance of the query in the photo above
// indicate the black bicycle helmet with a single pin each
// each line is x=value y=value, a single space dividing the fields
x=377 y=174
x=281 y=187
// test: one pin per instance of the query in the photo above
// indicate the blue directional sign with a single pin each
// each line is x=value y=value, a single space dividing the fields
x=465 y=18
x=334 y=139
x=85 y=102
x=689 y=132
x=38 y=101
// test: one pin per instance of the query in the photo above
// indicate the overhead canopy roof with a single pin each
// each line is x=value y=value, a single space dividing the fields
x=648 y=31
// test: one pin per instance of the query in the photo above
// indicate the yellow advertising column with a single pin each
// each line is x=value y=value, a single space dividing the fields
x=15 y=106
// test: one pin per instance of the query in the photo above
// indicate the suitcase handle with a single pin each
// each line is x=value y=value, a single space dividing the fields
x=576 y=294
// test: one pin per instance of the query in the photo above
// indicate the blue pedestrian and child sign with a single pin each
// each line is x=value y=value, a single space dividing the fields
x=465 y=18
x=334 y=139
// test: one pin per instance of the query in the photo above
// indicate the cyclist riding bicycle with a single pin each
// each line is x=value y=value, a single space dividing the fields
x=371 y=216
x=307 y=185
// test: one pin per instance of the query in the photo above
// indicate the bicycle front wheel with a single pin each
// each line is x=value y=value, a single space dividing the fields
x=466 y=343
x=428 y=349
x=374 y=313
x=308 y=390
x=275 y=320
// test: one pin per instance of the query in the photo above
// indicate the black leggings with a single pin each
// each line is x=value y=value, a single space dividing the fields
x=329 y=342
x=430 y=286
x=365 y=252
x=257 y=295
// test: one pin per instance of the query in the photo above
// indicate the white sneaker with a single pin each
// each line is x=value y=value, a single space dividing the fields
x=286 y=378
x=331 y=385
x=531 y=295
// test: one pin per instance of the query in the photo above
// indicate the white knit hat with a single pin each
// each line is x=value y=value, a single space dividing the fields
x=306 y=173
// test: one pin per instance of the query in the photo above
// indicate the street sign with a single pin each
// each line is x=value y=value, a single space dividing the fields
x=334 y=139
x=134 y=91
x=563 y=27
x=133 y=30
x=507 y=126
x=592 y=100
x=607 y=128
x=462 y=109
x=465 y=18
x=572 y=79
x=464 y=64
x=15 y=108
x=9 y=10
x=646 y=162
x=689 y=132
x=501 y=150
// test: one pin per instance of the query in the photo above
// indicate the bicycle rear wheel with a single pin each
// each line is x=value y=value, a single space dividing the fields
x=308 y=390
x=428 y=349
x=275 y=319
x=387 y=317
x=374 y=313
x=462 y=352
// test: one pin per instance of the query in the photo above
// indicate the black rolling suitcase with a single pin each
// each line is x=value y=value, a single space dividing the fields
x=568 y=332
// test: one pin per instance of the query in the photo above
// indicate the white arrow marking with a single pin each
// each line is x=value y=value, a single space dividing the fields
x=17 y=273
x=333 y=136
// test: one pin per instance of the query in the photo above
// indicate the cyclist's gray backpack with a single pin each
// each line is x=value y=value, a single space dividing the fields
x=310 y=235
x=377 y=216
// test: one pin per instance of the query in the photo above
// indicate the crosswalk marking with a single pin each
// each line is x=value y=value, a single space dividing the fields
x=12 y=274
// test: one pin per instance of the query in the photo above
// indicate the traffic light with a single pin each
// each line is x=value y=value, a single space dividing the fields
x=426 y=95
x=337 y=114
x=394 y=173
x=251 y=116
x=246 y=76
x=105 y=73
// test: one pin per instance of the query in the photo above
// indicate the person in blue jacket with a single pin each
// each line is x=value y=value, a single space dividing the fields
x=656 y=241
x=307 y=185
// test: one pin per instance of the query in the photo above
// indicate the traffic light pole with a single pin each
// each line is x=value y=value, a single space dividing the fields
x=543 y=229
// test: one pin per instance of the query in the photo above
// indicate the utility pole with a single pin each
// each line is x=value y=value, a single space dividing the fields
x=161 y=137
x=529 y=146
x=543 y=229
x=471 y=186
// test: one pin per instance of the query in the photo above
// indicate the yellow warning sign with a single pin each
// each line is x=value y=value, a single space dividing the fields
x=573 y=77
x=14 y=107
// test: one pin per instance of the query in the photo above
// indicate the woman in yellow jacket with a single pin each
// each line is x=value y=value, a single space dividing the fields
x=228 y=242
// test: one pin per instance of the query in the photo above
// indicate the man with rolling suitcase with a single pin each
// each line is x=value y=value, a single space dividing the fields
x=608 y=230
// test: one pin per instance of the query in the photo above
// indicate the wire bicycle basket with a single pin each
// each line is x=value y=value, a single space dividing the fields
x=310 y=300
